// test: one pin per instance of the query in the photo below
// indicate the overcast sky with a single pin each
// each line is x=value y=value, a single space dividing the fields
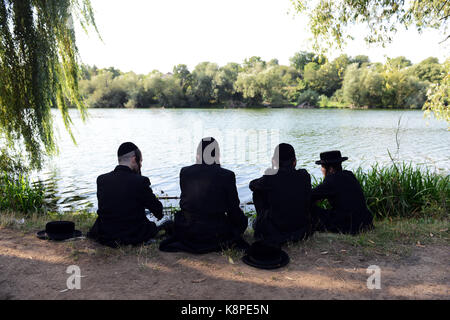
x=143 y=35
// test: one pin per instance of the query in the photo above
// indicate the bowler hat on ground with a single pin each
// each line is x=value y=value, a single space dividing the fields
x=262 y=255
x=59 y=231
x=331 y=157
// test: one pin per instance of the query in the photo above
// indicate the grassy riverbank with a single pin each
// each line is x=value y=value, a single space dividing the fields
x=391 y=236
x=410 y=206
x=399 y=190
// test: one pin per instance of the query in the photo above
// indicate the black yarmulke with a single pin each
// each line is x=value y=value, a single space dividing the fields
x=125 y=148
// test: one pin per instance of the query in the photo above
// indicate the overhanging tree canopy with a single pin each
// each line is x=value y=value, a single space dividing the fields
x=38 y=70
x=332 y=22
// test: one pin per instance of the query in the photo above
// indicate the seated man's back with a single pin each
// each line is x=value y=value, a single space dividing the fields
x=282 y=201
x=210 y=216
x=349 y=212
x=123 y=195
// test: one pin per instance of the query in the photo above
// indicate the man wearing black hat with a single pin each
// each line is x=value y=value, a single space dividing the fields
x=210 y=218
x=282 y=199
x=123 y=195
x=349 y=212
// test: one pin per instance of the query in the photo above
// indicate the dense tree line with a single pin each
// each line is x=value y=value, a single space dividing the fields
x=309 y=80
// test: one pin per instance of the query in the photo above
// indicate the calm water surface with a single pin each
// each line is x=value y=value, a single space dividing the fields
x=168 y=139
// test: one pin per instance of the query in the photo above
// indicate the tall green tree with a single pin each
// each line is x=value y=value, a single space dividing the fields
x=204 y=85
x=39 y=69
x=429 y=70
x=300 y=59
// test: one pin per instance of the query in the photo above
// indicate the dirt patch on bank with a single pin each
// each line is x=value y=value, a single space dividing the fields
x=36 y=269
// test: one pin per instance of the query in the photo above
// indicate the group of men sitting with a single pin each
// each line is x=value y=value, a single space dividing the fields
x=210 y=217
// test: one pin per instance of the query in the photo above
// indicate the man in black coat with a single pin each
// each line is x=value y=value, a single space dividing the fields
x=349 y=212
x=282 y=199
x=123 y=195
x=210 y=218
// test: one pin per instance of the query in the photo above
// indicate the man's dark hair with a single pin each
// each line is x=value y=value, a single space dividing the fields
x=284 y=155
x=336 y=167
x=208 y=151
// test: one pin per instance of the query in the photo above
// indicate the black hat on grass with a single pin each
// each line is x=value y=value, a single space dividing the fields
x=331 y=157
x=262 y=255
x=59 y=231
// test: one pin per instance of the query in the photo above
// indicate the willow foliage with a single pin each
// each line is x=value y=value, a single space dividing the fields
x=38 y=70
x=333 y=22
x=439 y=96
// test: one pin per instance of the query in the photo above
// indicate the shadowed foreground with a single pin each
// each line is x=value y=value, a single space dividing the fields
x=35 y=269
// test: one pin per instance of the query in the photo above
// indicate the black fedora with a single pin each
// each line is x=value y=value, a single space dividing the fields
x=59 y=231
x=262 y=255
x=331 y=157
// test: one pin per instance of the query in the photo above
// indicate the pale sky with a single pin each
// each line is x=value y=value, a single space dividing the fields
x=143 y=35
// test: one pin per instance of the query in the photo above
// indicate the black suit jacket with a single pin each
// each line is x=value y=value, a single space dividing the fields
x=123 y=197
x=349 y=211
x=282 y=201
x=210 y=212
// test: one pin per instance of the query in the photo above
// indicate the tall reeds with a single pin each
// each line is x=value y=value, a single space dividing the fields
x=402 y=190
x=18 y=194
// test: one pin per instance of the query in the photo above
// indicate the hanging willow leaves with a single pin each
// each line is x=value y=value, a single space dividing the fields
x=439 y=97
x=39 y=70
x=332 y=22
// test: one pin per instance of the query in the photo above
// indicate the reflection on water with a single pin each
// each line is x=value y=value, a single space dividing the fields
x=168 y=139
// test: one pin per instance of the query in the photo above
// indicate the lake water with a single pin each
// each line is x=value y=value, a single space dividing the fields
x=168 y=139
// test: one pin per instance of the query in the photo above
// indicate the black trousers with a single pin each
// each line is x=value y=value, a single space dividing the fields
x=265 y=229
x=331 y=221
x=199 y=239
x=324 y=220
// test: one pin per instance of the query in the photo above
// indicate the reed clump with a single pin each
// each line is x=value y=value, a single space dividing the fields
x=405 y=191
x=18 y=193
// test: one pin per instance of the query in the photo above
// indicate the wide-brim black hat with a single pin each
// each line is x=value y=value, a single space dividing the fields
x=264 y=256
x=331 y=157
x=59 y=231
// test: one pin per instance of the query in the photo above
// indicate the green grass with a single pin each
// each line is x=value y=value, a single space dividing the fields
x=410 y=204
x=17 y=193
x=402 y=190
x=392 y=237
x=30 y=222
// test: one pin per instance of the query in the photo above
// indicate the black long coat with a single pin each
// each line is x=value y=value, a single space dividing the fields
x=282 y=202
x=123 y=197
x=210 y=213
x=349 y=212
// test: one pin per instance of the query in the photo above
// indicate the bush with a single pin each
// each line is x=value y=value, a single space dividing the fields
x=309 y=97
x=324 y=101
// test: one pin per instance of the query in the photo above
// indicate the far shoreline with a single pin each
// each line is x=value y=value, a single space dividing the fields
x=257 y=108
